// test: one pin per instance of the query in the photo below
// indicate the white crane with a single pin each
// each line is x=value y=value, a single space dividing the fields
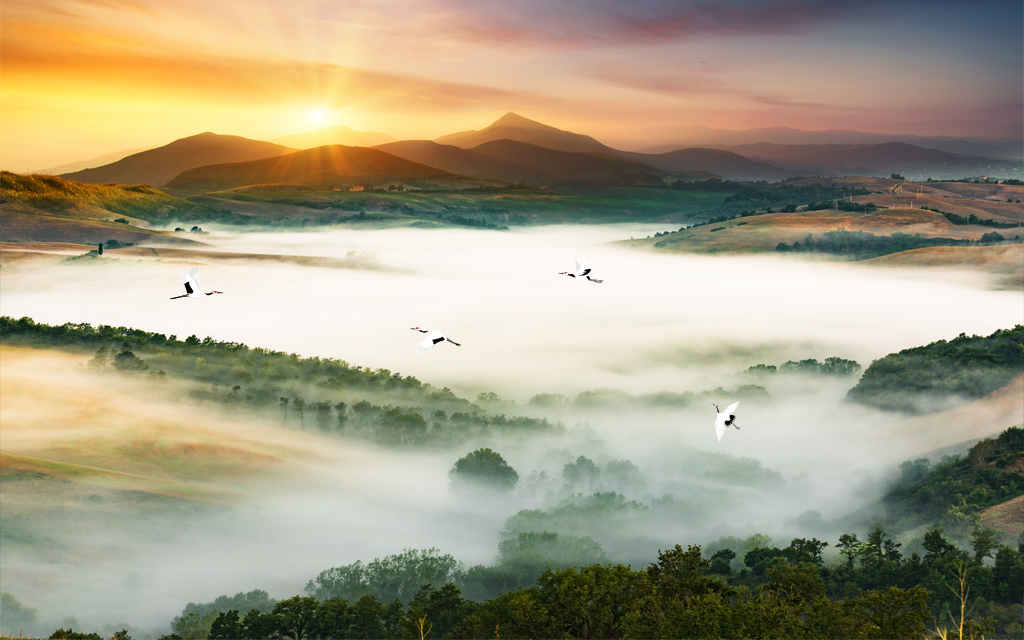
x=725 y=419
x=582 y=271
x=191 y=281
x=433 y=337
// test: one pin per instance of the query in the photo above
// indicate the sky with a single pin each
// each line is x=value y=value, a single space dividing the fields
x=84 y=78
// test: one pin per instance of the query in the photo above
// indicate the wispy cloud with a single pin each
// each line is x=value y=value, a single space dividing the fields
x=607 y=23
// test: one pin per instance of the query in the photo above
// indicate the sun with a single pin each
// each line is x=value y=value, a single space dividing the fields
x=318 y=115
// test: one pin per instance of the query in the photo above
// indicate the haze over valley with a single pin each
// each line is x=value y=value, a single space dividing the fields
x=547 y=319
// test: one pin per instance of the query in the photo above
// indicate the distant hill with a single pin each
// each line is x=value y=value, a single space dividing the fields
x=515 y=127
x=1005 y=148
x=338 y=134
x=729 y=165
x=91 y=163
x=157 y=166
x=868 y=159
x=323 y=166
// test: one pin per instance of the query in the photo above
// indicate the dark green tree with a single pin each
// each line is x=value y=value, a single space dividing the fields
x=486 y=469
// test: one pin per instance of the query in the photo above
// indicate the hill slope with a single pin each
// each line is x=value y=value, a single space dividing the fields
x=157 y=166
x=48 y=208
x=322 y=167
x=727 y=164
x=464 y=162
x=541 y=164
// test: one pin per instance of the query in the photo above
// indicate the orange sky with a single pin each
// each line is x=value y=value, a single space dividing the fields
x=82 y=78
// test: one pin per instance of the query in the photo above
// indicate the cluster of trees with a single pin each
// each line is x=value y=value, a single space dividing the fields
x=957 y=489
x=872 y=591
x=605 y=398
x=479 y=223
x=974 y=219
x=862 y=244
x=832 y=366
x=943 y=373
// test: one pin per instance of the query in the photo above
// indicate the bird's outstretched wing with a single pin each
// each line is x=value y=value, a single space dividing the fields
x=191 y=279
x=425 y=345
x=720 y=428
x=731 y=410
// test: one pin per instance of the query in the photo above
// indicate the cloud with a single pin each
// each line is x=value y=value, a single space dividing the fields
x=604 y=23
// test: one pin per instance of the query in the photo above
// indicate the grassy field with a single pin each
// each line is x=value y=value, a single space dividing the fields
x=762 y=233
x=80 y=428
x=1006 y=516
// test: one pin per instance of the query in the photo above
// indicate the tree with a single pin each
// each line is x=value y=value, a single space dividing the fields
x=721 y=562
x=99 y=249
x=486 y=469
x=983 y=543
x=397 y=576
x=591 y=601
x=17 y=617
x=892 y=613
x=679 y=574
x=227 y=626
x=438 y=610
x=195 y=627
x=296 y=618
x=100 y=360
x=526 y=556
x=128 y=361
x=581 y=472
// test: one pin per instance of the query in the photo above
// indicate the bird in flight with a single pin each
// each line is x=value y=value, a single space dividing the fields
x=191 y=281
x=433 y=337
x=582 y=271
x=725 y=419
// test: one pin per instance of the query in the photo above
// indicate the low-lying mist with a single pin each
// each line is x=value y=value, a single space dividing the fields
x=114 y=552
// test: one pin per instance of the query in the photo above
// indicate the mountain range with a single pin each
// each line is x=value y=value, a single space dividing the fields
x=513 y=149
x=691 y=136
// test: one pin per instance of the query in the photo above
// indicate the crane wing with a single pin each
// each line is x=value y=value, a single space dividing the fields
x=426 y=344
x=191 y=278
x=720 y=427
x=731 y=410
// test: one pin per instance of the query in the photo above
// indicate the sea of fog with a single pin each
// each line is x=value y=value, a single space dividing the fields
x=658 y=322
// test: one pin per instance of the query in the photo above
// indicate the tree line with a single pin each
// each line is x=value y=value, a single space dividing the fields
x=871 y=591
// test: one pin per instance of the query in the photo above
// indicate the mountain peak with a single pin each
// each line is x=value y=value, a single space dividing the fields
x=515 y=120
x=513 y=126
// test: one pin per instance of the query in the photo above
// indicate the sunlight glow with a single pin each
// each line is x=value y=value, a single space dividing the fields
x=318 y=116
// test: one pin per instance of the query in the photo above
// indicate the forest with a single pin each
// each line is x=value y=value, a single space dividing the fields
x=943 y=373
x=558 y=570
x=874 y=590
